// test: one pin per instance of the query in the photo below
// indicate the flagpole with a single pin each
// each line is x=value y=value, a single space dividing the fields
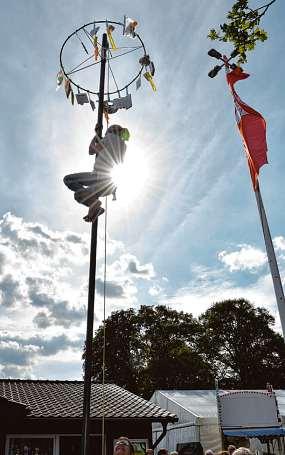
x=271 y=259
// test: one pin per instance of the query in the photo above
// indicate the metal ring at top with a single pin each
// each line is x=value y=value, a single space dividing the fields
x=79 y=87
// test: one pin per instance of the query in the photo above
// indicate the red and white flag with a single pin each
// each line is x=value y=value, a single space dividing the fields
x=252 y=128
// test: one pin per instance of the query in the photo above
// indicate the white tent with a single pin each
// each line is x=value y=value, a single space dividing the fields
x=197 y=417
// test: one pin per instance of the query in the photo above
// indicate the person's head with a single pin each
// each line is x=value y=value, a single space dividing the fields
x=162 y=452
x=123 y=133
x=231 y=449
x=149 y=451
x=123 y=446
x=242 y=451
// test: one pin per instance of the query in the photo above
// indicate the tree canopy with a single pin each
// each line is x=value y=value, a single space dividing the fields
x=161 y=348
x=242 y=28
x=238 y=341
x=154 y=347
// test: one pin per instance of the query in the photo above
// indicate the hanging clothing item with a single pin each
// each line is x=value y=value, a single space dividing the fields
x=252 y=128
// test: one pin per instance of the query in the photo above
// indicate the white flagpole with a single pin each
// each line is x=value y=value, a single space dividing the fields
x=271 y=259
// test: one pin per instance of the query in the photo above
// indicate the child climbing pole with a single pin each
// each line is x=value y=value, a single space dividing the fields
x=88 y=187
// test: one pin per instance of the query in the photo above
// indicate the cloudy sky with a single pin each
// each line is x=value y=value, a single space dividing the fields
x=184 y=231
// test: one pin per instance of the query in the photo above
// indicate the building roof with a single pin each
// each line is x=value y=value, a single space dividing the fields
x=64 y=399
x=202 y=403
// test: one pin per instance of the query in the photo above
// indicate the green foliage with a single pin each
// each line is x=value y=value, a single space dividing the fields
x=149 y=349
x=242 y=28
x=160 y=348
x=238 y=341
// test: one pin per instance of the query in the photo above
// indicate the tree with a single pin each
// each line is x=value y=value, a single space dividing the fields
x=237 y=340
x=242 y=28
x=152 y=348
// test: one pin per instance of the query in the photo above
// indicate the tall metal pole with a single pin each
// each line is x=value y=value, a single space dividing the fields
x=272 y=260
x=85 y=445
x=219 y=413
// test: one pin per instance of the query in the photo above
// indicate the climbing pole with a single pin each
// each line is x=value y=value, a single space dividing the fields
x=94 y=46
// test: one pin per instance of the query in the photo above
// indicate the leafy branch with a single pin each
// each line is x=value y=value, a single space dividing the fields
x=242 y=28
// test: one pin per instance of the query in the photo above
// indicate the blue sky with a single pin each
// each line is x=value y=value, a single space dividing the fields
x=189 y=238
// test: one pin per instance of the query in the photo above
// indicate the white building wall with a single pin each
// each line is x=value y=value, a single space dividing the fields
x=176 y=435
x=210 y=436
x=185 y=430
x=183 y=414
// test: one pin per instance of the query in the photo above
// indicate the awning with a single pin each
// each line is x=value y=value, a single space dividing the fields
x=255 y=432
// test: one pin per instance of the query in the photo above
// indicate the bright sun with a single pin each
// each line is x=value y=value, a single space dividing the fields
x=131 y=176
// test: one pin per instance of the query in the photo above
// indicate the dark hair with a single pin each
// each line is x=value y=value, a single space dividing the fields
x=162 y=452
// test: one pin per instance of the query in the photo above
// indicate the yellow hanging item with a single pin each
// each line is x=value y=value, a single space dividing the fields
x=149 y=78
x=110 y=29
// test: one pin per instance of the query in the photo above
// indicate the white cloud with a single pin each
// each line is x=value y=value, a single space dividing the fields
x=44 y=290
x=213 y=285
x=155 y=290
x=279 y=243
x=246 y=257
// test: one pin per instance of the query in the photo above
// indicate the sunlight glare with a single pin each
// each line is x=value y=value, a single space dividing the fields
x=131 y=176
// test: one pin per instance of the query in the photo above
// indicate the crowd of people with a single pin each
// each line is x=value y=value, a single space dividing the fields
x=124 y=446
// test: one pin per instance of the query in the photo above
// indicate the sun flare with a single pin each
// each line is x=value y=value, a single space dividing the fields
x=131 y=177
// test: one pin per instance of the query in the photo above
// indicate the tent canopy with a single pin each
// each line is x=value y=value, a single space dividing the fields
x=255 y=432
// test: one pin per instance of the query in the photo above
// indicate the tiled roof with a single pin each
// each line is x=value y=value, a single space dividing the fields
x=53 y=399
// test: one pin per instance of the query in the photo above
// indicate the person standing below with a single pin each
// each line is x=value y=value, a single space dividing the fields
x=231 y=449
x=123 y=446
x=242 y=451
x=163 y=452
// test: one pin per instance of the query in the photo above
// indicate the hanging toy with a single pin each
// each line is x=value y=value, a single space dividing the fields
x=59 y=79
x=149 y=78
x=129 y=27
x=110 y=29
x=145 y=60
